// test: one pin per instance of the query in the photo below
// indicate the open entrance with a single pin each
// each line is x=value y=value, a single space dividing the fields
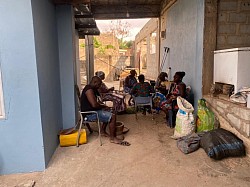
x=120 y=48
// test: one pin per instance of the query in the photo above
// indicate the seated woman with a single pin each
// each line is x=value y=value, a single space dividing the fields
x=178 y=88
x=142 y=89
x=161 y=87
x=162 y=84
x=107 y=94
x=129 y=82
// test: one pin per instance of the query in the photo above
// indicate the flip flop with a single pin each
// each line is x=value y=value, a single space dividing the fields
x=123 y=143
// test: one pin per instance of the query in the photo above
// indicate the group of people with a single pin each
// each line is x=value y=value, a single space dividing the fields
x=165 y=94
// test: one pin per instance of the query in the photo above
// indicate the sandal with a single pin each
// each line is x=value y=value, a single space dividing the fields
x=123 y=143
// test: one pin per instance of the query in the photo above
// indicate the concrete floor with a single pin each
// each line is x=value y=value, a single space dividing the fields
x=152 y=160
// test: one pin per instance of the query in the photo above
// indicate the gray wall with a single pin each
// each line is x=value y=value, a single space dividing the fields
x=152 y=70
x=46 y=43
x=67 y=57
x=21 y=141
x=184 y=37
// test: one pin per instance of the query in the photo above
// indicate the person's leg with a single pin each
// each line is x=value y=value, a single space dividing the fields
x=148 y=109
x=144 y=110
x=108 y=117
x=103 y=129
x=103 y=117
x=112 y=127
x=164 y=109
x=129 y=101
x=112 y=130
x=89 y=128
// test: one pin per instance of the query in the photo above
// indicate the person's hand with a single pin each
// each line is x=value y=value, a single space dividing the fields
x=112 y=89
x=107 y=108
x=168 y=96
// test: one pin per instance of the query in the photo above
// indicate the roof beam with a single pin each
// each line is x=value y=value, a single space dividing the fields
x=83 y=26
x=71 y=1
x=119 y=9
x=120 y=12
x=124 y=16
x=89 y=31
x=84 y=16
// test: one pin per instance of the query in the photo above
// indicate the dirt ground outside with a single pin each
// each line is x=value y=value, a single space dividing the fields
x=152 y=160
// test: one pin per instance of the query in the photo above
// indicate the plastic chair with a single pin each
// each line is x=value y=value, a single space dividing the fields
x=85 y=121
x=143 y=101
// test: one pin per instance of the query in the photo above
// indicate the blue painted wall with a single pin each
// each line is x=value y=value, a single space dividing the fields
x=21 y=141
x=67 y=57
x=46 y=45
x=184 y=37
x=38 y=81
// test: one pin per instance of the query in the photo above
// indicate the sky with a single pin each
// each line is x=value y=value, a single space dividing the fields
x=135 y=26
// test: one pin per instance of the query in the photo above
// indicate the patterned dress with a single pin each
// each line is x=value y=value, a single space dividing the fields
x=142 y=89
x=175 y=92
x=117 y=99
x=130 y=81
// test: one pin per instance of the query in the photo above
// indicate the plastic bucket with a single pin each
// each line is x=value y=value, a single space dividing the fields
x=119 y=130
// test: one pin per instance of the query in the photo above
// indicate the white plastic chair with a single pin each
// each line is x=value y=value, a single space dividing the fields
x=143 y=101
x=84 y=121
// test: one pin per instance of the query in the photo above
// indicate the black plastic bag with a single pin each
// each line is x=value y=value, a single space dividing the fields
x=188 y=144
x=220 y=143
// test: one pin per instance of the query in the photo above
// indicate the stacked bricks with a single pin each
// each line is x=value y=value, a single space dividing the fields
x=233 y=29
x=236 y=115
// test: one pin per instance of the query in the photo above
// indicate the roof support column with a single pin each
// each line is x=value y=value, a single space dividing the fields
x=89 y=57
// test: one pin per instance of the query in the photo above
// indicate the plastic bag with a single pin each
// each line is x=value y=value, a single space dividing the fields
x=205 y=117
x=189 y=144
x=220 y=143
x=184 y=119
x=239 y=98
x=184 y=105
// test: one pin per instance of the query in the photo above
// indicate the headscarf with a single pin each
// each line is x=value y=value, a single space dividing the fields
x=99 y=73
x=181 y=74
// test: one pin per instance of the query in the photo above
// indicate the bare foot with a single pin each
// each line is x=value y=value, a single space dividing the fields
x=119 y=142
x=104 y=134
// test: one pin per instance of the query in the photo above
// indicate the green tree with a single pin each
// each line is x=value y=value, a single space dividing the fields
x=125 y=44
x=98 y=45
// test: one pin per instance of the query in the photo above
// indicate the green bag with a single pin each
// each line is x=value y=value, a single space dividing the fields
x=205 y=117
